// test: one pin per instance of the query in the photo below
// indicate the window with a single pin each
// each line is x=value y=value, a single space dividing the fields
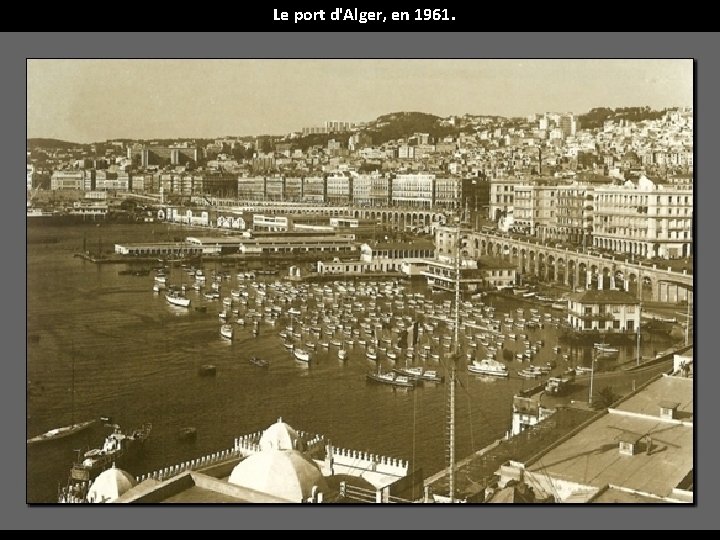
x=630 y=309
x=616 y=325
x=601 y=325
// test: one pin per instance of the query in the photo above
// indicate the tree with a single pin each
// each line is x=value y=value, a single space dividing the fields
x=606 y=397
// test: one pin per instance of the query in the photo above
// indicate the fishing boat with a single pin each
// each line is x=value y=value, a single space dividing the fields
x=342 y=354
x=259 y=362
x=188 y=434
x=391 y=378
x=488 y=366
x=226 y=331
x=371 y=354
x=301 y=355
x=176 y=299
x=531 y=372
x=208 y=370
x=420 y=374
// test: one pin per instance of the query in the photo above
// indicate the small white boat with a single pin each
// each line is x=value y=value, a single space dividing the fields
x=302 y=355
x=488 y=366
x=342 y=354
x=226 y=331
x=178 y=300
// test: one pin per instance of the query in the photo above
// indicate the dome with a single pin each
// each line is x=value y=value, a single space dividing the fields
x=279 y=436
x=109 y=485
x=286 y=474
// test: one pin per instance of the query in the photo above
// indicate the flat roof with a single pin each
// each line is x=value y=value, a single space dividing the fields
x=666 y=390
x=591 y=457
x=593 y=296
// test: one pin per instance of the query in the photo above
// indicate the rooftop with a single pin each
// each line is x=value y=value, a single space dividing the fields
x=591 y=457
x=614 y=495
x=593 y=296
x=665 y=391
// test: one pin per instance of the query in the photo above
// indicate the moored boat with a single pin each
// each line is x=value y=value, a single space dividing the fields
x=488 y=366
x=301 y=355
x=391 y=378
x=259 y=362
x=59 y=433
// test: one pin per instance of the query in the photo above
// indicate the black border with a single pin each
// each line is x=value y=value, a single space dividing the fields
x=699 y=46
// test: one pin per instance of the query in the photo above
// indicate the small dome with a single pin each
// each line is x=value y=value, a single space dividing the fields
x=282 y=473
x=109 y=485
x=279 y=436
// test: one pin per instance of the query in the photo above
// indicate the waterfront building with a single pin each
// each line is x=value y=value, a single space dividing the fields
x=646 y=219
x=475 y=275
x=371 y=190
x=339 y=189
x=251 y=188
x=270 y=223
x=314 y=189
x=604 y=311
x=415 y=190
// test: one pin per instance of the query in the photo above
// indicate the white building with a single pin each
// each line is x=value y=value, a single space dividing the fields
x=644 y=218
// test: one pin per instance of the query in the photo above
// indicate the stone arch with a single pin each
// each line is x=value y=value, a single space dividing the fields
x=619 y=277
x=632 y=286
x=582 y=274
x=561 y=270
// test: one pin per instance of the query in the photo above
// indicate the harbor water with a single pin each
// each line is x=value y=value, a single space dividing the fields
x=135 y=358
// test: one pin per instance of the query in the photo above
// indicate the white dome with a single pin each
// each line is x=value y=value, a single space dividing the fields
x=279 y=436
x=109 y=485
x=286 y=474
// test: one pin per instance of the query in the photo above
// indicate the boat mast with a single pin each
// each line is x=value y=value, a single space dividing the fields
x=72 y=392
x=453 y=360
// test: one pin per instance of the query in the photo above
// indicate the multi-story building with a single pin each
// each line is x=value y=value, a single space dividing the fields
x=371 y=190
x=502 y=198
x=274 y=188
x=178 y=154
x=574 y=212
x=218 y=184
x=415 y=190
x=314 y=189
x=251 y=188
x=534 y=207
x=448 y=192
x=607 y=311
x=293 y=189
x=339 y=189
x=70 y=180
x=645 y=218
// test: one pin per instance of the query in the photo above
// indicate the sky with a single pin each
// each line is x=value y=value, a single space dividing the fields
x=94 y=100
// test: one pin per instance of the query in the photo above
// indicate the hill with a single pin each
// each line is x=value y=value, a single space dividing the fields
x=35 y=143
x=597 y=116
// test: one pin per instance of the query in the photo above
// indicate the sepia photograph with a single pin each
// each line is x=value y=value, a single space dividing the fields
x=360 y=282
